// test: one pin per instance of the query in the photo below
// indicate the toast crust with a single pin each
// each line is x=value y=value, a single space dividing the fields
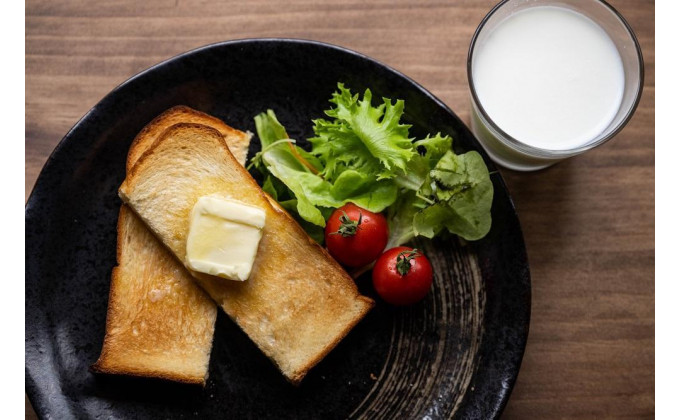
x=298 y=303
x=238 y=141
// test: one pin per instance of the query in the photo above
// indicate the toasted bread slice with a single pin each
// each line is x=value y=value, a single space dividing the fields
x=298 y=302
x=159 y=322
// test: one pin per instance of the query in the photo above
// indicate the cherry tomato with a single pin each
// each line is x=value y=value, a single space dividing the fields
x=355 y=236
x=402 y=275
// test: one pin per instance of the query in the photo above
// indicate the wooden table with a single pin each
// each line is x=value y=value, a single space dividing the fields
x=588 y=222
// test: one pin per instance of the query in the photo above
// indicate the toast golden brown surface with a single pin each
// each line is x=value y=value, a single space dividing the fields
x=159 y=322
x=298 y=302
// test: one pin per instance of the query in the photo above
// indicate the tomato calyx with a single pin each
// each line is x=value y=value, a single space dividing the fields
x=404 y=260
x=348 y=227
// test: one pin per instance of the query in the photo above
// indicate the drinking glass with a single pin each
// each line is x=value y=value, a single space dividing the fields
x=511 y=152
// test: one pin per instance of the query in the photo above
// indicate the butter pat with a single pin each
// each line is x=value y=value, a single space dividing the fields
x=223 y=237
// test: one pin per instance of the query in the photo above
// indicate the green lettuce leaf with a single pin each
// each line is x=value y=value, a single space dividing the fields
x=309 y=189
x=434 y=147
x=339 y=149
x=400 y=218
x=361 y=135
x=275 y=188
x=364 y=191
x=363 y=155
x=430 y=149
x=461 y=192
x=289 y=176
x=269 y=129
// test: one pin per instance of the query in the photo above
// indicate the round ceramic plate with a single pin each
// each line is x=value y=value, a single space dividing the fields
x=455 y=354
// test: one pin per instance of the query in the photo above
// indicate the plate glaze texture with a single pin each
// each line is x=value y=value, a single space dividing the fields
x=456 y=354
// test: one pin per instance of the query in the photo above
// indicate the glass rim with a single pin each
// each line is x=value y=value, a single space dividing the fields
x=544 y=152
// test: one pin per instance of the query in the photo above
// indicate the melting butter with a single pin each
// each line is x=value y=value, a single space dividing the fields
x=224 y=235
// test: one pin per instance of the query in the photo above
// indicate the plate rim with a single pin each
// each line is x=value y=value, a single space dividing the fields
x=39 y=400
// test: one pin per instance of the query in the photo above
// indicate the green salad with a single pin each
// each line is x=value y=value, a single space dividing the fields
x=363 y=154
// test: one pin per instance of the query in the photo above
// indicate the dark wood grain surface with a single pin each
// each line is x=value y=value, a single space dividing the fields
x=588 y=222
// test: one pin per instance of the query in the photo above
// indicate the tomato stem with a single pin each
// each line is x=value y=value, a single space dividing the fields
x=348 y=227
x=404 y=261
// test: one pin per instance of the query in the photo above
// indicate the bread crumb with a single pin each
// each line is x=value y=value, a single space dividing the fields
x=375 y=378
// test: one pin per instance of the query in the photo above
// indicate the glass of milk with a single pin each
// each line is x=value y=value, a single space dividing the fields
x=551 y=79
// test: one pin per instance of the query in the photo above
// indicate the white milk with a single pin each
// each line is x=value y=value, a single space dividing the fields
x=549 y=77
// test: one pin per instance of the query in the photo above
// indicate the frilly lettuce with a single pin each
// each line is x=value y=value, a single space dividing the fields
x=362 y=136
x=364 y=155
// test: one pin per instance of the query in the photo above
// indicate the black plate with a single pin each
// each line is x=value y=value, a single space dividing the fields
x=457 y=353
